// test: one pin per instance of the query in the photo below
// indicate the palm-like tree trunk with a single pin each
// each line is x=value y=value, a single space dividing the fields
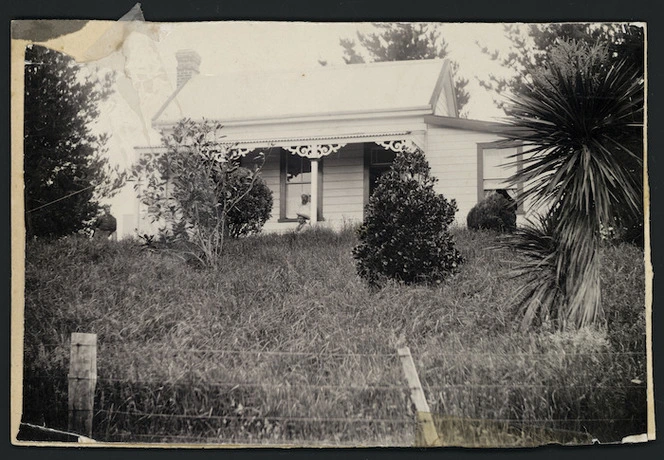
x=577 y=122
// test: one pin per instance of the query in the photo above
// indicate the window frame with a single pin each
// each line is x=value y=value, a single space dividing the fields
x=481 y=147
x=283 y=180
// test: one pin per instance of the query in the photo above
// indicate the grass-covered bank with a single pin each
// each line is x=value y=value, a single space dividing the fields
x=167 y=329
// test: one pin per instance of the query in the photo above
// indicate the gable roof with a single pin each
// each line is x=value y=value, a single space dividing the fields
x=468 y=124
x=323 y=91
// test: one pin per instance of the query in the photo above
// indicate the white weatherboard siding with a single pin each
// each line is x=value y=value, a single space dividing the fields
x=452 y=155
x=343 y=185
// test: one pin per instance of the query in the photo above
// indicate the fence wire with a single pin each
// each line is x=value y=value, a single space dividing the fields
x=278 y=386
x=269 y=418
x=107 y=415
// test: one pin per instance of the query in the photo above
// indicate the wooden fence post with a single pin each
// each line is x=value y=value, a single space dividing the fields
x=82 y=382
x=427 y=435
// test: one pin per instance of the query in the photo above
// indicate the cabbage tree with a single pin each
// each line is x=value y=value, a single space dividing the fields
x=581 y=124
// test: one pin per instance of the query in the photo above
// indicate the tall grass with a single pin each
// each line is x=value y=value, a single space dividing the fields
x=166 y=330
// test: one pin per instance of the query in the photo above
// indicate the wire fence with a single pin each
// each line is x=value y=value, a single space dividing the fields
x=341 y=398
x=132 y=345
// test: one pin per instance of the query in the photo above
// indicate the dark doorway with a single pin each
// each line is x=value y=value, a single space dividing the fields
x=380 y=161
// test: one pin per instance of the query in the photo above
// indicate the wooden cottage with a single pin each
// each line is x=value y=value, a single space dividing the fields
x=330 y=132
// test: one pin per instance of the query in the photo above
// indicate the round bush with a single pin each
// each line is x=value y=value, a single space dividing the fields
x=254 y=209
x=405 y=233
x=495 y=212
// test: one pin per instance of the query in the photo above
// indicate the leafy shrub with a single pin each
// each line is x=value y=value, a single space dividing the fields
x=405 y=234
x=249 y=214
x=195 y=184
x=494 y=212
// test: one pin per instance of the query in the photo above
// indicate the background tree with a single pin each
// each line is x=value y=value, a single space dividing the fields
x=403 y=42
x=531 y=46
x=577 y=121
x=531 y=52
x=65 y=169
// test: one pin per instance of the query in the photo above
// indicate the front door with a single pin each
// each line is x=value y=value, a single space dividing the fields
x=378 y=161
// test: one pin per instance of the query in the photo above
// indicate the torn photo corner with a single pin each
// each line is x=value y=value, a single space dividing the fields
x=300 y=234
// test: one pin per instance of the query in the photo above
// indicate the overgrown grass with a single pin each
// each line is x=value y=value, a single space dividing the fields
x=179 y=340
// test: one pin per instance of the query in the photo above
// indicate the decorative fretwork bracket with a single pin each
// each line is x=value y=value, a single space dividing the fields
x=226 y=151
x=242 y=151
x=317 y=151
x=398 y=145
x=314 y=151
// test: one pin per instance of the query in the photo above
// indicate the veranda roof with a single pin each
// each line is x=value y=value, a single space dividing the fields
x=321 y=91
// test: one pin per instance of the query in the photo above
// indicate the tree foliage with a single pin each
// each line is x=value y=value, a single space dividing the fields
x=65 y=169
x=403 y=42
x=531 y=46
x=198 y=190
x=405 y=235
x=577 y=121
x=532 y=50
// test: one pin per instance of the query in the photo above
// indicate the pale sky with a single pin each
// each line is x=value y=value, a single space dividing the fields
x=147 y=67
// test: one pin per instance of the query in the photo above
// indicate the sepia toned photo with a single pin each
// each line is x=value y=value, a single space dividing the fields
x=299 y=234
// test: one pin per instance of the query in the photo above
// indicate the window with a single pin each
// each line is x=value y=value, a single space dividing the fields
x=495 y=167
x=296 y=187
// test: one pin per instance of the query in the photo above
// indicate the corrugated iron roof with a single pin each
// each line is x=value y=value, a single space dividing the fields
x=321 y=91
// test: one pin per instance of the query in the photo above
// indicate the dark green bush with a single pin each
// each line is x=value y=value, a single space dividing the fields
x=494 y=212
x=405 y=233
x=251 y=213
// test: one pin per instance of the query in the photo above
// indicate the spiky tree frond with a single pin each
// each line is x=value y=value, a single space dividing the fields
x=578 y=124
x=540 y=294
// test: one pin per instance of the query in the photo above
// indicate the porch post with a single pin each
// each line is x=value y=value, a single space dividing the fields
x=314 y=190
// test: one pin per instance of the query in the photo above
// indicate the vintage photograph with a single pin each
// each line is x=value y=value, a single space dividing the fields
x=333 y=234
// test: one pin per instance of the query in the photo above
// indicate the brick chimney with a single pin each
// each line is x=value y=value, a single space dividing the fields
x=188 y=64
